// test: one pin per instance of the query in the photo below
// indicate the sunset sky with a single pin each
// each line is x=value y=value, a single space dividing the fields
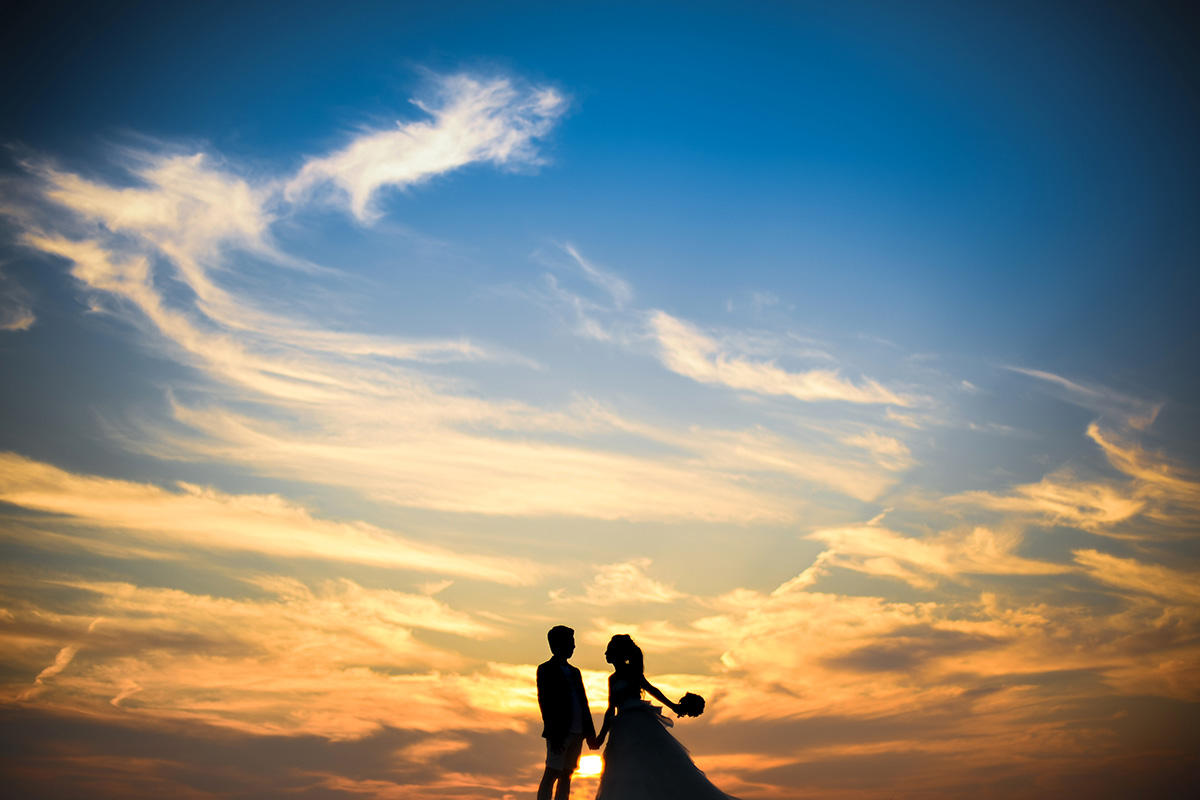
x=845 y=354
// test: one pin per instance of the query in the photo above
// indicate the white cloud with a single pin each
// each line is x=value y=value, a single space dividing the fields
x=473 y=120
x=323 y=398
x=684 y=349
x=617 y=289
x=623 y=582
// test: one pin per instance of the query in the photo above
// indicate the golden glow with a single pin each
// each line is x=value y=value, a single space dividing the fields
x=590 y=766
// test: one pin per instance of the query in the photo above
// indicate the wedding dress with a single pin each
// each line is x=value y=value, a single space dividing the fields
x=642 y=760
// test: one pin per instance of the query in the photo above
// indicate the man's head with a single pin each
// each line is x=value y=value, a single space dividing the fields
x=562 y=641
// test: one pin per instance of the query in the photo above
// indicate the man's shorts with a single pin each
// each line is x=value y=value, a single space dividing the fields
x=568 y=758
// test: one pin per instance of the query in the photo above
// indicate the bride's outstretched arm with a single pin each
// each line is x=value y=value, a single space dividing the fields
x=662 y=698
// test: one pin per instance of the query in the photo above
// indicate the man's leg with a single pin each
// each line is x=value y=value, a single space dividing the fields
x=546 y=787
x=564 y=786
x=571 y=750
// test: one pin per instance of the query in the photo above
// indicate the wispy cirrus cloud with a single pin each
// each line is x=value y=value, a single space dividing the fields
x=875 y=550
x=309 y=398
x=1116 y=406
x=397 y=432
x=888 y=451
x=617 y=288
x=93 y=513
x=686 y=350
x=1177 y=587
x=427 y=461
x=738 y=361
x=1161 y=497
x=16 y=313
x=474 y=120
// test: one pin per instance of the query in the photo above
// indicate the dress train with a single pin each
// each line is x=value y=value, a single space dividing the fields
x=643 y=761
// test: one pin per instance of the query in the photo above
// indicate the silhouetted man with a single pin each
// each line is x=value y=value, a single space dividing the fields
x=566 y=717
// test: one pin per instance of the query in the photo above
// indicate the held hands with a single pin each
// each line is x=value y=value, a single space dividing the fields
x=594 y=742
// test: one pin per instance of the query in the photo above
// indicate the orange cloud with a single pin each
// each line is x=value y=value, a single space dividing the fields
x=194 y=517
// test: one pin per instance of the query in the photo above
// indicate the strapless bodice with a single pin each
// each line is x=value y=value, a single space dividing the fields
x=626 y=697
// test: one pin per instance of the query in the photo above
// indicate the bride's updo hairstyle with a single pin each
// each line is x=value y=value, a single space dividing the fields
x=627 y=653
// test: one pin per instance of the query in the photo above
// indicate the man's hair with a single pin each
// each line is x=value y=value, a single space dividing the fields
x=559 y=635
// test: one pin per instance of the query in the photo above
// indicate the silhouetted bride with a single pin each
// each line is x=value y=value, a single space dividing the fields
x=643 y=761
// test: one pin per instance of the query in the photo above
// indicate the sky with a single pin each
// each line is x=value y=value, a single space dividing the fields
x=842 y=353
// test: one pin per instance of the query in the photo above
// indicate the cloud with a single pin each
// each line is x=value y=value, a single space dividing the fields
x=473 y=120
x=1063 y=498
x=310 y=399
x=15 y=311
x=186 y=206
x=889 y=452
x=201 y=519
x=1154 y=489
x=624 y=582
x=739 y=361
x=1170 y=489
x=365 y=412
x=764 y=451
x=617 y=289
x=337 y=661
x=395 y=433
x=1005 y=660
x=424 y=461
x=60 y=663
x=61 y=660
x=875 y=550
x=1118 y=407
x=1171 y=585
x=684 y=349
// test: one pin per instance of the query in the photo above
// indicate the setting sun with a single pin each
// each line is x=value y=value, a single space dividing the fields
x=590 y=767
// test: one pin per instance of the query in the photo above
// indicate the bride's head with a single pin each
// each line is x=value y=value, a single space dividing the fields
x=624 y=654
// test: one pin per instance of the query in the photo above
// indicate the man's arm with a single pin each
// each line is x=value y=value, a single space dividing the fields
x=589 y=726
x=545 y=685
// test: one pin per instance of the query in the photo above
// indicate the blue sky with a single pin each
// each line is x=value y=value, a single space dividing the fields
x=842 y=353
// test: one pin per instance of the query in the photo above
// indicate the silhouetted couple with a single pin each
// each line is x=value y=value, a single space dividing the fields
x=643 y=761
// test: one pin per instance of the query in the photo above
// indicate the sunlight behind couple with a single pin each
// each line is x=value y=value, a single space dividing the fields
x=590 y=766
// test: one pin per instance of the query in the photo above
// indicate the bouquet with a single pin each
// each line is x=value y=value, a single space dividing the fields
x=691 y=705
